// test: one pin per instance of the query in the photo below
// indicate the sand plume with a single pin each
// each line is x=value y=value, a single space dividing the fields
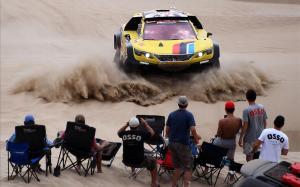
x=97 y=79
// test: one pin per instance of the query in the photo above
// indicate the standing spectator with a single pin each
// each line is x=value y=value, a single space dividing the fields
x=274 y=142
x=133 y=146
x=180 y=124
x=228 y=129
x=254 y=121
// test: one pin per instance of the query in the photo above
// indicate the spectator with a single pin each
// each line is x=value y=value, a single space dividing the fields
x=133 y=146
x=180 y=124
x=29 y=120
x=228 y=129
x=254 y=121
x=273 y=141
x=96 y=146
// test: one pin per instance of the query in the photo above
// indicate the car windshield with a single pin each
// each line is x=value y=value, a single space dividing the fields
x=168 y=30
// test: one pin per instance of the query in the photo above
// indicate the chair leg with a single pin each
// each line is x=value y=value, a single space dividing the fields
x=7 y=165
x=217 y=177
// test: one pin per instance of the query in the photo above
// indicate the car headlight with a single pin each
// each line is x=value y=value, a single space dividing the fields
x=146 y=54
x=206 y=51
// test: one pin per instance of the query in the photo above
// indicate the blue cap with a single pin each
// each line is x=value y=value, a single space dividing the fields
x=29 y=119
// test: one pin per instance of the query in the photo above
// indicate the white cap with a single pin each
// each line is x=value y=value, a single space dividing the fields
x=134 y=122
x=182 y=100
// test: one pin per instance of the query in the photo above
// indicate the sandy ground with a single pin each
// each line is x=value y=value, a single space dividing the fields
x=45 y=43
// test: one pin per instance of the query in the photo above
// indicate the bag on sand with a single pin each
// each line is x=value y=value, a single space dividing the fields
x=56 y=172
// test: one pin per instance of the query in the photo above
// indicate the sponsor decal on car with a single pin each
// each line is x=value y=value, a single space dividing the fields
x=184 y=48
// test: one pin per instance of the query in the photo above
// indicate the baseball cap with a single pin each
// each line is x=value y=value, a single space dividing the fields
x=134 y=122
x=29 y=119
x=182 y=100
x=229 y=105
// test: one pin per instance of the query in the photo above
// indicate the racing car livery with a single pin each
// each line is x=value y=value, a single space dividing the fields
x=171 y=40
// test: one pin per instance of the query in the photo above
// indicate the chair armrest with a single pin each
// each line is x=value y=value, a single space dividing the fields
x=57 y=142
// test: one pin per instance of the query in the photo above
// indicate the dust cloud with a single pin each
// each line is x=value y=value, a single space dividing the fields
x=99 y=80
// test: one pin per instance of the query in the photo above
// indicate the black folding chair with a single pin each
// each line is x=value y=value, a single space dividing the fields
x=156 y=142
x=35 y=136
x=109 y=152
x=77 y=141
x=234 y=173
x=211 y=158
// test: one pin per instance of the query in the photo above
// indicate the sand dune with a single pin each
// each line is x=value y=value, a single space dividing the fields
x=57 y=61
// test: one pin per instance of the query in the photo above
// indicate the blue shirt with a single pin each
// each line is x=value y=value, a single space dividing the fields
x=180 y=122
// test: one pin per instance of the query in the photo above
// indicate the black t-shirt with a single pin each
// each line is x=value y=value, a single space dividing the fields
x=133 y=146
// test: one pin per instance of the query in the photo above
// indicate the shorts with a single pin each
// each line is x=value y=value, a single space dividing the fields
x=149 y=163
x=247 y=148
x=181 y=156
x=226 y=143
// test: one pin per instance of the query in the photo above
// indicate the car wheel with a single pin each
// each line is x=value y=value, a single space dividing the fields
x=117 y=40
x=129 y=67
x=215 y=62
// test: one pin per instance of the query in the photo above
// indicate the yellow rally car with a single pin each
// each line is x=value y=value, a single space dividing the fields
x=171 y=40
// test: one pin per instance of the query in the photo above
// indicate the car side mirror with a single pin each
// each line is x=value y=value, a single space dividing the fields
x=209 y=34
x=127 y=36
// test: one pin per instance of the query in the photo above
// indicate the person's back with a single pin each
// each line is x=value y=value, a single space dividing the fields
x=230 y=126
x=274 y=141
x=133 y=146
x=255 y=115
x=254 y=121
x=180 y=122
x=227 y=129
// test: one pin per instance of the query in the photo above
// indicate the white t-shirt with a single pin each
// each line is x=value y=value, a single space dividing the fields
x=273 y=142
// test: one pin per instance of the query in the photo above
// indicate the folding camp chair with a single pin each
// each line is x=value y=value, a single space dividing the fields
x=77 y=141
x=134 y=160
x=157 y=123
x=19 y=160
x=211 y=157
x=35 y=136
x=109 y=152
x=165 y=163
x=234 y=172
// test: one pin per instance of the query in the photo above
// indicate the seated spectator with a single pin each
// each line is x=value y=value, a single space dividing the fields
x=29 y=120
x=96 y=146
x=133 y=147
x=273 y=142
x=228 y=129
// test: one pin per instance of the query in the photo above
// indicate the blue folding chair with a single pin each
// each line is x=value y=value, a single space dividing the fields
x=22 y=165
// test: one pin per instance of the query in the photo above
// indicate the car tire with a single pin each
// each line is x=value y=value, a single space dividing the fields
x=129 y=67
x=117 y=40
x=215 y=62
